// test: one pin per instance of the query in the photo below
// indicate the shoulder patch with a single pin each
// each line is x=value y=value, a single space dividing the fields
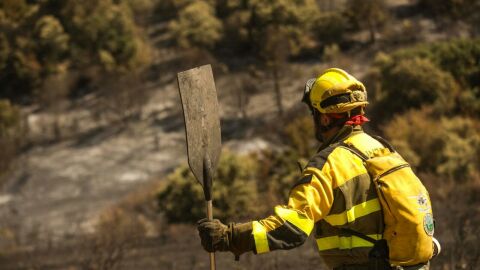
x=428 y=224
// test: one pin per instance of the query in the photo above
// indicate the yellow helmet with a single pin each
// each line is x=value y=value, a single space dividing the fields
x=335 y=91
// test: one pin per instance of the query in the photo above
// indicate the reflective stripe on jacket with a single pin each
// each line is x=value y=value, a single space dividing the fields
x=335 y=192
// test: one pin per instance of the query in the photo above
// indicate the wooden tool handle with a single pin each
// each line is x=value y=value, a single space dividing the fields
x=210 y=217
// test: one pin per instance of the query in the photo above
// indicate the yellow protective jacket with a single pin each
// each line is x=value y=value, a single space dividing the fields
x=335 y=192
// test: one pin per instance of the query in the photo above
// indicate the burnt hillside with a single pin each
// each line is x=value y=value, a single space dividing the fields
x=93 y=159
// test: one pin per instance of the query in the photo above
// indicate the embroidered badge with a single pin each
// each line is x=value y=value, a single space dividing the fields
x=422 y=202
x=428 y=224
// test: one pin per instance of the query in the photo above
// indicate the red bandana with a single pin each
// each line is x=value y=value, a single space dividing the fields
x=357 y=120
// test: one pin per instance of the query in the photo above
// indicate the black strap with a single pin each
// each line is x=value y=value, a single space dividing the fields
x=364 y=157
x=354 y=150
x=359 y=153
x=358 y=234
x=384 y=142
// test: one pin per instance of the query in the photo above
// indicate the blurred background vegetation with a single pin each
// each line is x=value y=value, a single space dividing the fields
x=78 y=74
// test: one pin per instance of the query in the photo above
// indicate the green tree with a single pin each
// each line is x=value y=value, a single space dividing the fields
x=446 y=146
x=4 y=51
x=413 y=83
x=142 y=9
x=196 y=26
x=277 y=174
x=52 y=42
x=282 y=29
x=238 y=24
x=452 y=9
x=42 y=38
x=330 y=27
x=241 y=183
x=462 y=148
x=460 y=57
x=293 y=20
x=10 y=134
x=104 y=33
x=15 y=11
x=9 y=118
x=275 y=53
x=469 y=102
x=369 y=14
x=234 y=191
x=19 y=66
x=300 y=134
x=443 y=73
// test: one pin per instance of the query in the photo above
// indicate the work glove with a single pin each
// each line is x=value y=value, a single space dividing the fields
x=216 y=236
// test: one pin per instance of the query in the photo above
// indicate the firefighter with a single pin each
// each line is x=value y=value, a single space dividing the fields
x=334 y=196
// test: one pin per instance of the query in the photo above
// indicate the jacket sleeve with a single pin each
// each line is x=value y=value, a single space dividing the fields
x=290 y=225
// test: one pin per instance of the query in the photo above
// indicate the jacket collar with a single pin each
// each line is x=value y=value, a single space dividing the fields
x=345 y=132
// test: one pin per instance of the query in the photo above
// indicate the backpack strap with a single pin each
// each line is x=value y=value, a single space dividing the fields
x=354 y=150
x=384 y=142
x=380 y=252
x=358 y=234
x=359 y=153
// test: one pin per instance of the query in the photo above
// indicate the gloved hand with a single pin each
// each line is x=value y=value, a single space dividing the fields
x=215 y=236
